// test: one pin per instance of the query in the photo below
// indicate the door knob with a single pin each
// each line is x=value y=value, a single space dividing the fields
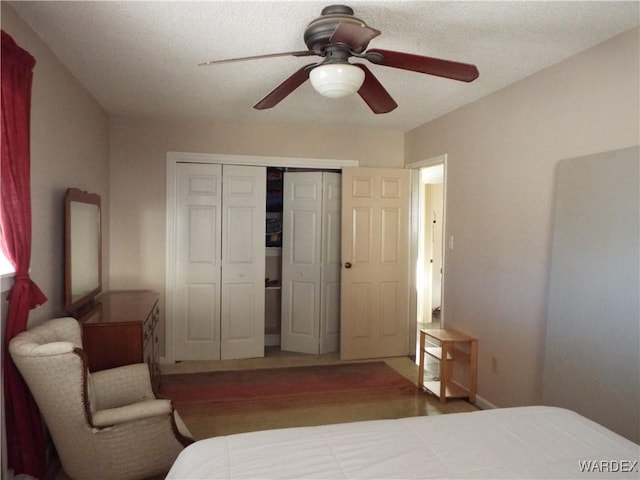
x=347 y=265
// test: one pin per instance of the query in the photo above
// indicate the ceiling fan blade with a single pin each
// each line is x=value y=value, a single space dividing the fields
x=374 y=94
x=284 y=89
x=417 y=63
x=303 y=53
x=354 y=35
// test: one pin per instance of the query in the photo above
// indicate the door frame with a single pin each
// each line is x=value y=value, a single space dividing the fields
x=415 y=236
x=173 y=158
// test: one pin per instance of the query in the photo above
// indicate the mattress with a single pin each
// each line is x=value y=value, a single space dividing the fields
x=523 y=442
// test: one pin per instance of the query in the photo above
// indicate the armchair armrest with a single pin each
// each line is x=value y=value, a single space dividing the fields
x=120 y=386
x=130 y=413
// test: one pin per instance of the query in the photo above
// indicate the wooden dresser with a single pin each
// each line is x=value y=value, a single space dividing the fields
x=121 y=329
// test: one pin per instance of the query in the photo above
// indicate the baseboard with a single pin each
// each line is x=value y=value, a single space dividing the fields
x=484 y=404
x=272 y=340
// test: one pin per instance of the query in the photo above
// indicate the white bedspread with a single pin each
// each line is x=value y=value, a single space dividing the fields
x=525 y=442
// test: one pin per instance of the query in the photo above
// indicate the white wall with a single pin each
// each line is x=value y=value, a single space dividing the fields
x=502 y=154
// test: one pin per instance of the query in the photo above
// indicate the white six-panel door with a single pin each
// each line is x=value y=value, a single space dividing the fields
x=219 y=284
x=375 y=258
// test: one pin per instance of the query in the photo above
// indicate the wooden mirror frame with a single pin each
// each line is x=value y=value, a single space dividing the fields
x=82 y=238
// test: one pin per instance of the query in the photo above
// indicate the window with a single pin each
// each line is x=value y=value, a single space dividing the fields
x=6 y=273
x=5 y=265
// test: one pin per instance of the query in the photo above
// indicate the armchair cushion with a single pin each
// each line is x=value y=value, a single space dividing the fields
x=120 y=386
x=130 y=413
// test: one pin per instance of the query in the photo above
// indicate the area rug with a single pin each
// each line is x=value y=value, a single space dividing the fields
x=223 y=402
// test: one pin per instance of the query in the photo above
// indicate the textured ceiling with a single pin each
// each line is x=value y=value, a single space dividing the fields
x=141 y=59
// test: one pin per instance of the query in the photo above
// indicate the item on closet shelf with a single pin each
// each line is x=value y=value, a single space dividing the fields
x=271 y=283
x=274 y=232
x=274 y=190
x=274 y=226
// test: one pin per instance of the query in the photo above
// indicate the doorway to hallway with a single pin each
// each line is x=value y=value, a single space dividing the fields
x=430 y=245
x=428 y=250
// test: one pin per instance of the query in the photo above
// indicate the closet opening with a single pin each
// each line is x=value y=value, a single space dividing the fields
x=273 y=258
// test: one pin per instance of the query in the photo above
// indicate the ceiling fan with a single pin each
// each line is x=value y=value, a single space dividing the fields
x=337 y=36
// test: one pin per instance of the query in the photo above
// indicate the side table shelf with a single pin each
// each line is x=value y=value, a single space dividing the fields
x=451 y=347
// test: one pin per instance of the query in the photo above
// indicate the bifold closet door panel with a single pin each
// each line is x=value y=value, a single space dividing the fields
x=219 y=284
x=311 y=262
x=243 y=264
x=331 y=266
x=301 y=267
x=196 y=317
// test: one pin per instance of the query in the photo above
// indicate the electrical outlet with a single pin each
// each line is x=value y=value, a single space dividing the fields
x=494 y=365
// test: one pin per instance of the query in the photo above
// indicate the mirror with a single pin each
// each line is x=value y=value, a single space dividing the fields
x=83 y=249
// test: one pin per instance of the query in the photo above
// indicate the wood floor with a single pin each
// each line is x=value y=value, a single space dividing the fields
x=424 y=403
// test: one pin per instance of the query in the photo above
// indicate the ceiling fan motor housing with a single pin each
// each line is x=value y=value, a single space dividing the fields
x=319 y=31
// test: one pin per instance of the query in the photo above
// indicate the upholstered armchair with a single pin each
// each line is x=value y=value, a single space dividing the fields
x=105 y=425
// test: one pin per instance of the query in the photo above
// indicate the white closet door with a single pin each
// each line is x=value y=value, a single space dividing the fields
x=330 y=275
x=243 y=266
x=301 y=267
x=198 y=242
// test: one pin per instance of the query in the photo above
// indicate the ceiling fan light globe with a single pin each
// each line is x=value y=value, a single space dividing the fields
x=336 y=80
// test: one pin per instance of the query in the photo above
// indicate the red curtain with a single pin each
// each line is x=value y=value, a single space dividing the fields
x=23 y=424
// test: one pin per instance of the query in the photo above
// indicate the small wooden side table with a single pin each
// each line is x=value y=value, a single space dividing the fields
x=446 y=353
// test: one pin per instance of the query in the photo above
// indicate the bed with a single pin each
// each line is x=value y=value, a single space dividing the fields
x=523 y=442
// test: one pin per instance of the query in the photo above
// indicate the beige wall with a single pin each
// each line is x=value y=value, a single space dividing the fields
x=69 y=148
x=502 y=156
